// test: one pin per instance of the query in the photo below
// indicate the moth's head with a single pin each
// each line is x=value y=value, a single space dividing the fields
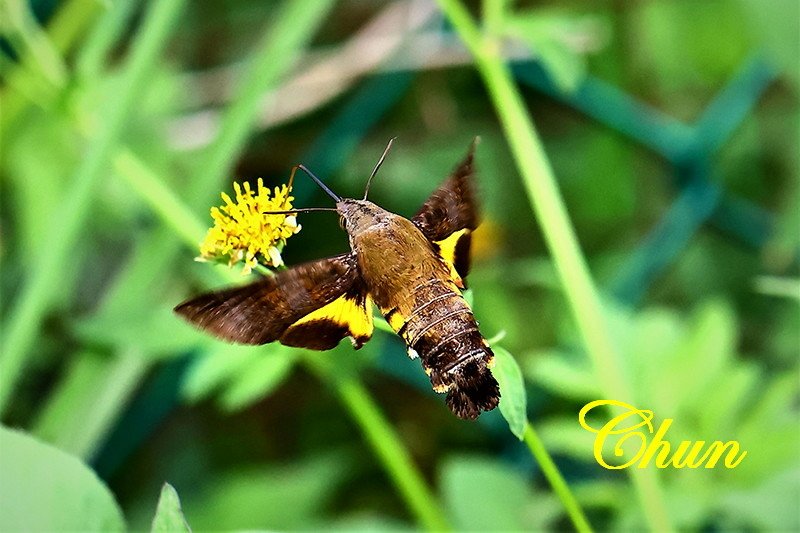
x=358 y=215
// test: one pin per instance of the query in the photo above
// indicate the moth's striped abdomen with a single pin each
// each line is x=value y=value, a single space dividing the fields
x=441 y=329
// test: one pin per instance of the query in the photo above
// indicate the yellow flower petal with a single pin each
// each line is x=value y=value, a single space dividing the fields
x=243 y=233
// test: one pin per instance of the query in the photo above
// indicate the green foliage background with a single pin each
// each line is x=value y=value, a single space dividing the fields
x=671 y=127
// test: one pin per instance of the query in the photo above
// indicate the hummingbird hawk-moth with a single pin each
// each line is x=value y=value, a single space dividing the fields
x=413 y=270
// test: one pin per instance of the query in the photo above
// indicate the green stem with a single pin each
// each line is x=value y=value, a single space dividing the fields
x=387 y=446
x=546 y=202
x=493 y=13
x=556 y=480
x=34 y=299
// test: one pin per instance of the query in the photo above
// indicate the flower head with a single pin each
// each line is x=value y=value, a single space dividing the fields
x=243 y=232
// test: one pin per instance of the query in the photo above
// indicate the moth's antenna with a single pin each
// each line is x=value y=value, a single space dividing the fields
x=377 y=166
x=299 y=210
x=318 y=181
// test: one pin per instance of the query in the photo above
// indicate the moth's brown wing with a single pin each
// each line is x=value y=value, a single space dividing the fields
x=450 y=215
x=279 y=307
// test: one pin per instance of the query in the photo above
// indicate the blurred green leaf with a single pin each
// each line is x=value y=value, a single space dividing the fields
x=549 y=34
x=29 y=174
x=483 y=494
x=775 y=23
x=569 y=377
x=513 y=402
x=671 y=45
x=87 y=402
x=704 y=353
x=600 y=493
x=272 y=496
x=782 y=287
x=44 y=489
x=563 y=436
x=771 y=506
x=258 y=379
x=157 y=333
x=367 y=522
x=169 y=516
x=716 y=413
x=214 y=367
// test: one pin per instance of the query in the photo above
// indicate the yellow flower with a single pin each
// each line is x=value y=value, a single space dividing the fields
x=242 y=232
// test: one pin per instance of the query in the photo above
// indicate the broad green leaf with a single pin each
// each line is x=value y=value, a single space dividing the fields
x=30 y=173
x=259 y=378
x=770 y=425
x=655 y=337
x=45 y=489
x=513 y=402
x=169 y=516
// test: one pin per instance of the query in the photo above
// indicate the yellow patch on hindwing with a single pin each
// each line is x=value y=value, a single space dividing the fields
x=345 y=312
x=447 y=251
x=394 y=318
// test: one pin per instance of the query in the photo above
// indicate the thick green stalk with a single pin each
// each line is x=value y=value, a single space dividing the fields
x=556 y=480
x=34 y=299
x=547 y=204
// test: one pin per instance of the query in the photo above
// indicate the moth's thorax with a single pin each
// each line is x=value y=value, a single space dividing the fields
x=393 y=255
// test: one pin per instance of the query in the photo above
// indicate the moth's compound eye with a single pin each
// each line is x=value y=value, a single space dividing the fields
x=343 y=222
